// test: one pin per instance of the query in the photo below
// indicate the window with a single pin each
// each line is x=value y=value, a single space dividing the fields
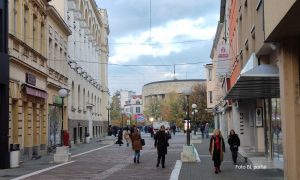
x=25 y=22
x=258 y=4
x=15 y=16
x=83 y=101
x=34 y=30
x=210 y=96
x=138 y=102
x=42 y=38
x=138 y=110
x=79 y=96
x=50 y=53
x=209 y=74
x=73 y=89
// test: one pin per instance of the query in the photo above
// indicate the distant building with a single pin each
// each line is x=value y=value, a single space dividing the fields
x=134 y=109
x=125 y=97
x=155 y=92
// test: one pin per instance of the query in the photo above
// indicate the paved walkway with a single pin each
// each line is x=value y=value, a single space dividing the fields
x=45 y=161
x=205 y=170
x=116 y=163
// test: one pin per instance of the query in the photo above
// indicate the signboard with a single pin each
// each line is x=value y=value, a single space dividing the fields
x=139 y=117
x=57 y=100
x=185 y=124
x=222 y=63
x=258 y=117
x=30 y=79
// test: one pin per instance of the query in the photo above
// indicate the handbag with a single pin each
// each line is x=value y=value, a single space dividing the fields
x=143 y=142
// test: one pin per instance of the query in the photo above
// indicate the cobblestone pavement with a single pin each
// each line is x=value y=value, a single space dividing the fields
x=112 y=162
x=44 y=162
x=204 y=169
x=116 y=163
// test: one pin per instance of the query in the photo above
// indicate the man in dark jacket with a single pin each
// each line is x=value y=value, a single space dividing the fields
x=234 y=143
x=161 y=143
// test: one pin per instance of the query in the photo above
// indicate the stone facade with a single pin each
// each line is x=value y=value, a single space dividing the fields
x=87 y=59
x=28 y=77
x=158 y=90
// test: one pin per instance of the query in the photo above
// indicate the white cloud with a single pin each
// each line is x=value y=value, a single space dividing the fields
x=173 y=31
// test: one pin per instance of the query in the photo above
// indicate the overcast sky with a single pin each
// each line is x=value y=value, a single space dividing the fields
x=176 y=32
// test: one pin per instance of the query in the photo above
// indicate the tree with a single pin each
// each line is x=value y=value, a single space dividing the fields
x=199 y=98
x=116 y=111
x=172 y=108
x=153 y=109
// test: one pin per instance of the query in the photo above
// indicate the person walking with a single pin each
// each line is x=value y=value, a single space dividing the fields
x=120 y=137
x=216 y=149
x=136 y=145
x=206 y=130
x=161 y=143
x=202 y=128
x=234 y=143
x=174 y=129
x=127 y=136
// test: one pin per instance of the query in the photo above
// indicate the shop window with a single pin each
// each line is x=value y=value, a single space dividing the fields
x=276 y=130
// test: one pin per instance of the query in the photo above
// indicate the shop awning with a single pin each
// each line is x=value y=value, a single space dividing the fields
x=259 y=82
x=35 y=92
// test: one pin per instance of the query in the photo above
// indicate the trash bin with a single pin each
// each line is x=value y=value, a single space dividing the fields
x=14 y=155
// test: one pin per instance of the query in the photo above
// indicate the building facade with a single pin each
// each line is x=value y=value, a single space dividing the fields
x=134 y=109
x=34 y=80
x=88 y=57
x=263 y=83
x=155 y=92
x=57 y=46
x=125 y=97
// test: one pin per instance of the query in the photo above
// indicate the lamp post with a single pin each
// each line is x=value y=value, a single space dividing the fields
x=187 y=92
x=194 y=106
x=122 y=117
x=62 y=93
x=108 y=109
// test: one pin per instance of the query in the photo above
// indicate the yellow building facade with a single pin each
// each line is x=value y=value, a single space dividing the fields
x=31 y=80
x=28 y=76
x=57 y=46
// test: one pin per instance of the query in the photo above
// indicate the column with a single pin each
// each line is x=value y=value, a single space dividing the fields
x=290 y=106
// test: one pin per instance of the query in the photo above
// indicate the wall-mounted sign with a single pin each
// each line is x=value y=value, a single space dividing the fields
x=57 y=100
x=258 y=117
x=30 y=79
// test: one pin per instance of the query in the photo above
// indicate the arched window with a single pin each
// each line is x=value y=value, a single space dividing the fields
x=83 y=101
x=79 y=97
x=73 y=94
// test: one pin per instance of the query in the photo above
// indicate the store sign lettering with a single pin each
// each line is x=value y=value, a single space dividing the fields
x=30 y=79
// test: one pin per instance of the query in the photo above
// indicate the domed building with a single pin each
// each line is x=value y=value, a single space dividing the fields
x=156 y=91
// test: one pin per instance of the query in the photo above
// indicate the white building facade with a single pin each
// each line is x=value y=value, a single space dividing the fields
x=87 y=58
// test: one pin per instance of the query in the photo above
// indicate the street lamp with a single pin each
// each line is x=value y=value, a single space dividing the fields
x=187 y=92
x=62 y=93
x=122 y=117
x=108 y=109
x=194 y=106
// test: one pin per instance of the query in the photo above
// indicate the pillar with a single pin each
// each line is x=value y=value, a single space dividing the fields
x=290 y=106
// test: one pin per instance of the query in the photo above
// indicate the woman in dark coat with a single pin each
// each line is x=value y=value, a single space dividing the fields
x=216 y=149
x=161 y=143
x=136 y=145
x=234 y=143
x=120 y=137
